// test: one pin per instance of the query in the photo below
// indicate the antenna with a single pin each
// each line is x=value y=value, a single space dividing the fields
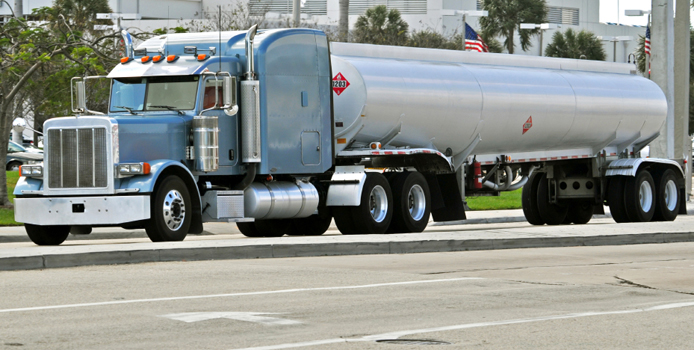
x=219 y=29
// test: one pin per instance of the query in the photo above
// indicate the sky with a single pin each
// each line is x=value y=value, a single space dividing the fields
x=609 y=11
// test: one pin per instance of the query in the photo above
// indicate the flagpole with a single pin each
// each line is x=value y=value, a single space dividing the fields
x=464 y=31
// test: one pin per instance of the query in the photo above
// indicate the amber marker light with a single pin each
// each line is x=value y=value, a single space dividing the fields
x=202 y=57
x=171 y=58
x=146 y=168
x=125 y=60
x=156 y=59
x=145 y=59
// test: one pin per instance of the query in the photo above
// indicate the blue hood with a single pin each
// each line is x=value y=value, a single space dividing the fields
x=143 y=139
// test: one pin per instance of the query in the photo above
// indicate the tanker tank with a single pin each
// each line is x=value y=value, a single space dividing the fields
x=522 y=106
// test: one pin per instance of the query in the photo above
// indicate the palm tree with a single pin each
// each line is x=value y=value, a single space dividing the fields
x=382 y=27
x=505 y=17
x=570 y=44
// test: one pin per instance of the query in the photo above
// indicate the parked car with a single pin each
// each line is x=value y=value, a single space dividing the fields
x=18 y=155
x=15 y=147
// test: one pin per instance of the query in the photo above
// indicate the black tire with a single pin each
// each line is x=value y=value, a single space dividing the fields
x=667 y=196
x=376 y=196
x=411 y=203
x=171 y=213
x=47 y=235
x=615 y=199
x=551 y=214
x=343 y=220
x=580 y=212
x=529 y=200
x=273 y=227
x=14 y=165
x=248 y=229
x=314 y=225
x=639 y=197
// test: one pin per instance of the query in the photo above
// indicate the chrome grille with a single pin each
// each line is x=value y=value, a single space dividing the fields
x=77 y=158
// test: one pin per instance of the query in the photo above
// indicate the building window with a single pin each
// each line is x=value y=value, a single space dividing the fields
x=310 y=7
x=406 y=7
x=558 y=15
x=562 y=15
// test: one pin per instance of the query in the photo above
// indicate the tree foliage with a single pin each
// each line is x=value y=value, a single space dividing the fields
x=505 y=17
x=382 y=27
x=570 y=44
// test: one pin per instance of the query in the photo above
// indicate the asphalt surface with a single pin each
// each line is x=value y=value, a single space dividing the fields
x=483 y=231
x=609 y=297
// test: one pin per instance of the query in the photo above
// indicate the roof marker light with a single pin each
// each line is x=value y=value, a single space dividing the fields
x=202 y=57
x=125 y=60
x=145 y=59
x=171 y=58
x=156 y=59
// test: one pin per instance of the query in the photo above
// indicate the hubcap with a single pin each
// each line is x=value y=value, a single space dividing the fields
x=174 y=210
x=645 y=196
x=416 y=202
x=378 y=204
x=671 y=195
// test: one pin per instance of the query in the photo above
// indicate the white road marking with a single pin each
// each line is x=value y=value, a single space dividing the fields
x=191 y=297
x=398 y=334
x=239 y=316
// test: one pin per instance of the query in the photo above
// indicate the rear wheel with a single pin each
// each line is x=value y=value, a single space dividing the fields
x=47 y=235
x=248 y=229
x=550 y=213
x=580 y=212
x=529 y=200
x=274 y=227
x=13 y=166
x=314 y=225
x=411 y=202
x=639 y=197
x=171 y=211
x=667 y=198
x=343 y=220
x=615 y=199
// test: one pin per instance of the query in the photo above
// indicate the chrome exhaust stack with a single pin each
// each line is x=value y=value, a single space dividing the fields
x=250 y=106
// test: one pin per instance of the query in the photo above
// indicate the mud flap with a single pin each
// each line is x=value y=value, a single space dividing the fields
x=445 y=205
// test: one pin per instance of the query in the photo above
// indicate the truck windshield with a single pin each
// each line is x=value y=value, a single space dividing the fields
x=154 y=93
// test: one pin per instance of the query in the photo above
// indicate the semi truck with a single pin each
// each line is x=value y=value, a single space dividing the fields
x=280 y=132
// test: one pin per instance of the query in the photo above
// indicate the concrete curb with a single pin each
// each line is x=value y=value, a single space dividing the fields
x=163 y=252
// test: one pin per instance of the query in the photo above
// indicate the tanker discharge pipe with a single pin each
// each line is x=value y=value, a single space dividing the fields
x=508 y=186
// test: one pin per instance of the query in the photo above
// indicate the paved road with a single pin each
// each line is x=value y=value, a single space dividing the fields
x=625 y=297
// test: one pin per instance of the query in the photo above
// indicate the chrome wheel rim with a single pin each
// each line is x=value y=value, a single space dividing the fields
x=645 y=196
x=174 y=210
x=670 y=195
x=378 y=203
x=416 y=202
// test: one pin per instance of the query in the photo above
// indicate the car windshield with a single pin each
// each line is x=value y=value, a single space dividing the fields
x=154 y=93
x=14 y=147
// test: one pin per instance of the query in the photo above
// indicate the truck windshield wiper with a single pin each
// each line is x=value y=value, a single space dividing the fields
x=171 y=108
x=129 y=109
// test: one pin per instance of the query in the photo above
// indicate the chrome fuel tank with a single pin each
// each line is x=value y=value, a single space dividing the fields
x=518 y=105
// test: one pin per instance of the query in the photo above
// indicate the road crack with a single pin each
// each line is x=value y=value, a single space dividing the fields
x=628 y=283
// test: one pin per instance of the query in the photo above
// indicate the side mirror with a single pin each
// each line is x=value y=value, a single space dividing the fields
x=81 y=98
x=229 y=98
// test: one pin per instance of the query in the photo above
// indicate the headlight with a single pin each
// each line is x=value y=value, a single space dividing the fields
x=127 y=169
x=31 y=170
x=33 y=161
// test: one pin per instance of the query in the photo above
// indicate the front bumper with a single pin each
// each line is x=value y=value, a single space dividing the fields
x=92 y=211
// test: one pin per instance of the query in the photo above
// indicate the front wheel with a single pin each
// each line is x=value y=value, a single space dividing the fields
x=171 y=212
x=47 y=235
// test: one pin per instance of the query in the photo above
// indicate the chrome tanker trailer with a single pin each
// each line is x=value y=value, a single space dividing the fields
x=280 y=132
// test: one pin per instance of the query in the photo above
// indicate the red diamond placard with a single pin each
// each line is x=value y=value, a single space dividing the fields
x=339 y=84
x=527 y=125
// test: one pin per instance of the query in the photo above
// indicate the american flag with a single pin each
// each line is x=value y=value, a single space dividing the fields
x=647 y=42
x=473 y=41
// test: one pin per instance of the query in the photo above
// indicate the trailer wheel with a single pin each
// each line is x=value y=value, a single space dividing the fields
x=639 y=197
x=580 y=212
x=529 y=200
x=667 y=197
x=615 y=199
x=411 y=203
x=47 y=235
x=171 y=211
x=314 y=225
x=550 y=213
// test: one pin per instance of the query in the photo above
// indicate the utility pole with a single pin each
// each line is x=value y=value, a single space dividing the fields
x=19 y=8
x=296 y=13
x=663 y=73
x=683 y=141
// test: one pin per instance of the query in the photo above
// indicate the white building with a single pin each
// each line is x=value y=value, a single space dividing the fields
x=420 y=14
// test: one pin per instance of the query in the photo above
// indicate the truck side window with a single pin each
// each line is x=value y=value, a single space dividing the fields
x=208 y=99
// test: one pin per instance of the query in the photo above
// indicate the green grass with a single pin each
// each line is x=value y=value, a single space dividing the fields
x=507 y=200
x=7 y=215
